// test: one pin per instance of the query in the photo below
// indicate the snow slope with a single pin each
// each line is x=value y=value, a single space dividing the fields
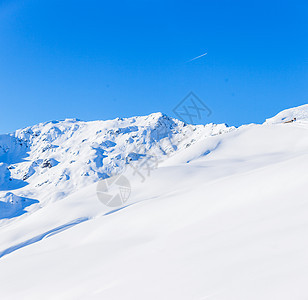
x=225 y=218
x=300 y=113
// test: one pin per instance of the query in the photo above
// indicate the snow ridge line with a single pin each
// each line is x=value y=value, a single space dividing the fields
x=42 y=236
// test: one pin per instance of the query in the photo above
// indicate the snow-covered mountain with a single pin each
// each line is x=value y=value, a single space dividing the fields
x=223 y=216
x=49 y=161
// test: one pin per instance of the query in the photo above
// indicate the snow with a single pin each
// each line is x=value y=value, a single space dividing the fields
x=13 y=206
x=300 y=113
x=222 y=217
x=54 y=159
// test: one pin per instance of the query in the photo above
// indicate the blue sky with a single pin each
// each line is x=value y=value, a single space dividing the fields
x=103 y=59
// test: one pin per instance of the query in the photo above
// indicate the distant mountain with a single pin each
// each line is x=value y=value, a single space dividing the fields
x=51 y=160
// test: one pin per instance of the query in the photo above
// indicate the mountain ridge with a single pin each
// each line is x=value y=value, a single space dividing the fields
x=51 y=160
x=64 y=156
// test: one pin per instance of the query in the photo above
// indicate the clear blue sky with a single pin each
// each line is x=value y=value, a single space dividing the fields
x=104 y=59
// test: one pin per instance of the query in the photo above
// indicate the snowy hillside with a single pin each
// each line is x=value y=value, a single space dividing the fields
x=299 y=113
x=224 y=216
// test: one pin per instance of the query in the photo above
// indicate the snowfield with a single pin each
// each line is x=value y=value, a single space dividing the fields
x=224 y=216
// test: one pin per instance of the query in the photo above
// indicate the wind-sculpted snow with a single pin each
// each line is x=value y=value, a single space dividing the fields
x=41 y=236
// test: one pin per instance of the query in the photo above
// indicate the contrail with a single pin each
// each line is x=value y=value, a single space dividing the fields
x=197 y=57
